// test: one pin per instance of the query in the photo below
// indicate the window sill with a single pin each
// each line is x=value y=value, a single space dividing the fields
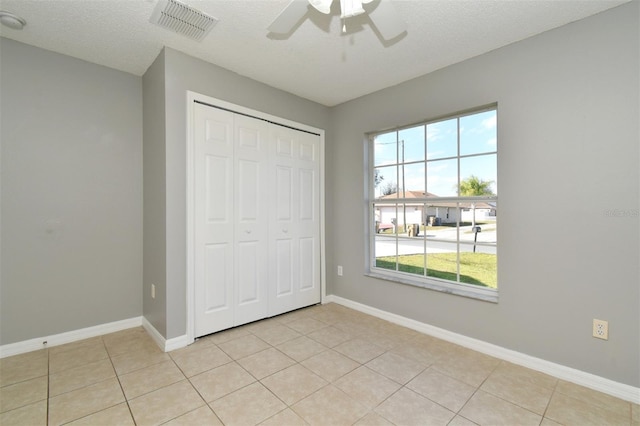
x=464 y=290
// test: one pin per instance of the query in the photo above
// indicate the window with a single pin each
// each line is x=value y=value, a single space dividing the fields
x=433 y=204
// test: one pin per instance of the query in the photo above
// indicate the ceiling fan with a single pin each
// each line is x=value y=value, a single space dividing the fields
x=382 y=15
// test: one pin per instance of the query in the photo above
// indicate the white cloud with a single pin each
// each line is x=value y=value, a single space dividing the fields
x=491 y=122
x=435 y=154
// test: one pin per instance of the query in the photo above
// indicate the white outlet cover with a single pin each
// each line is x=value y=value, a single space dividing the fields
x=600 y=329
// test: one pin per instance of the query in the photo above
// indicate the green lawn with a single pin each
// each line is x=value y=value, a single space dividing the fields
x=475 y=268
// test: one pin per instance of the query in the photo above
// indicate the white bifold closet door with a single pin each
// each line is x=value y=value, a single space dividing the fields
x=257 y=248
x=294 y=221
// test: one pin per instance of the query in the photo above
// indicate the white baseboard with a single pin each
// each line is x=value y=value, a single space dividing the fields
x=68 y=337
x=165 y=344
x=601 y=384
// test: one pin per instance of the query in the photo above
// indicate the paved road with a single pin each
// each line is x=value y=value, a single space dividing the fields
x=386 y=243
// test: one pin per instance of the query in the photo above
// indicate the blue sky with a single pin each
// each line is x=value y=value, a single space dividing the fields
x=478 y=135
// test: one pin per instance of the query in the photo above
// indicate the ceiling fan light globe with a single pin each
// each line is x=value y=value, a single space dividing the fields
x=323 y=6
x=350 y=8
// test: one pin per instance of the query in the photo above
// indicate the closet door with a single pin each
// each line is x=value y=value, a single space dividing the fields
x=295 y=224
x=214 y=220
x=256 y=219
x=251 y=206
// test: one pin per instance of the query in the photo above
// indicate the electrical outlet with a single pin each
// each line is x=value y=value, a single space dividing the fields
x=600 y=329
x=339 y=270
x=153 y=291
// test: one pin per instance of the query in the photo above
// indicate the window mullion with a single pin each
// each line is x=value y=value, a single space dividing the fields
x=459 y=209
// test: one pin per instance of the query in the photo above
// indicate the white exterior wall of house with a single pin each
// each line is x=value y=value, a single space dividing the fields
x=446 y=214
x=481 y=215
x=389 y=214
x=415 y=214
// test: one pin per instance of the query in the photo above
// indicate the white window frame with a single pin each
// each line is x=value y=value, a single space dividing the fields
x=442 y=285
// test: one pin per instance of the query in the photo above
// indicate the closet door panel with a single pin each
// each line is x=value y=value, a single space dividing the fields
x=217 y=269
x=284 y=269
x=308 y=219
x=248 y=275
x=307 y=264
x=251 y=194
x=213 y=220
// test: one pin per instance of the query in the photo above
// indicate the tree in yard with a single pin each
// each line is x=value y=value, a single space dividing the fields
x=389 y=188
x=377 y=178
x=475 y=186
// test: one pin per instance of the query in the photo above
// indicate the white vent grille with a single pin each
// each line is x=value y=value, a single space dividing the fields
x=182 y=19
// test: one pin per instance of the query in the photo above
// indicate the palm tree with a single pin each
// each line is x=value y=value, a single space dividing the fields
x=474 y=186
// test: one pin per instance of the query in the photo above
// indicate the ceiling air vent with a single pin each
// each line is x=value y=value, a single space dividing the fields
x=182 y=19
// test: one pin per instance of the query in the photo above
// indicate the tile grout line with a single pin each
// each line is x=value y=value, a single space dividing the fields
x=546 y=409
x=206 y=403
x=48 y=384
x=124 y=395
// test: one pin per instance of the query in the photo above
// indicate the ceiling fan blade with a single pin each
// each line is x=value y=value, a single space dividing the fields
x=387 y=20
x=289 y=17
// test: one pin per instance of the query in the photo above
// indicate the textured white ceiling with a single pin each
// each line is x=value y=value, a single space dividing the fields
x=316 y=61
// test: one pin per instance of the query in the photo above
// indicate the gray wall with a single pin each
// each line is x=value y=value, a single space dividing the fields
x=568 y=108
x=71 y=154
x=184 y=73
x=155 y=218
x=71 y=215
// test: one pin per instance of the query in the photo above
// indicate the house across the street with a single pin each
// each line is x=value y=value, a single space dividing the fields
x=434 y=212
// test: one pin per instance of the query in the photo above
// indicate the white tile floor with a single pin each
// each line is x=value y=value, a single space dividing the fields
x=323 y=365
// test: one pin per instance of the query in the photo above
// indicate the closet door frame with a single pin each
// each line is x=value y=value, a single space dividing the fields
x=192 y=98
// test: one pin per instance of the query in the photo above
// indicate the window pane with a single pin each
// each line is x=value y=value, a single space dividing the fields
x=485 y=218
x=441 y=220
x=404 y=250
x=442 y=178
x=411 y=144
x=385 y=149
x=442 y=260
x=411 y=263
x=385 y=246
x=411 y=215
x=386 y=181
x=479 y=268
x=478 y=133
x=442 y=139
x=412 y=175
x=478 y=175
x=385 y=217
